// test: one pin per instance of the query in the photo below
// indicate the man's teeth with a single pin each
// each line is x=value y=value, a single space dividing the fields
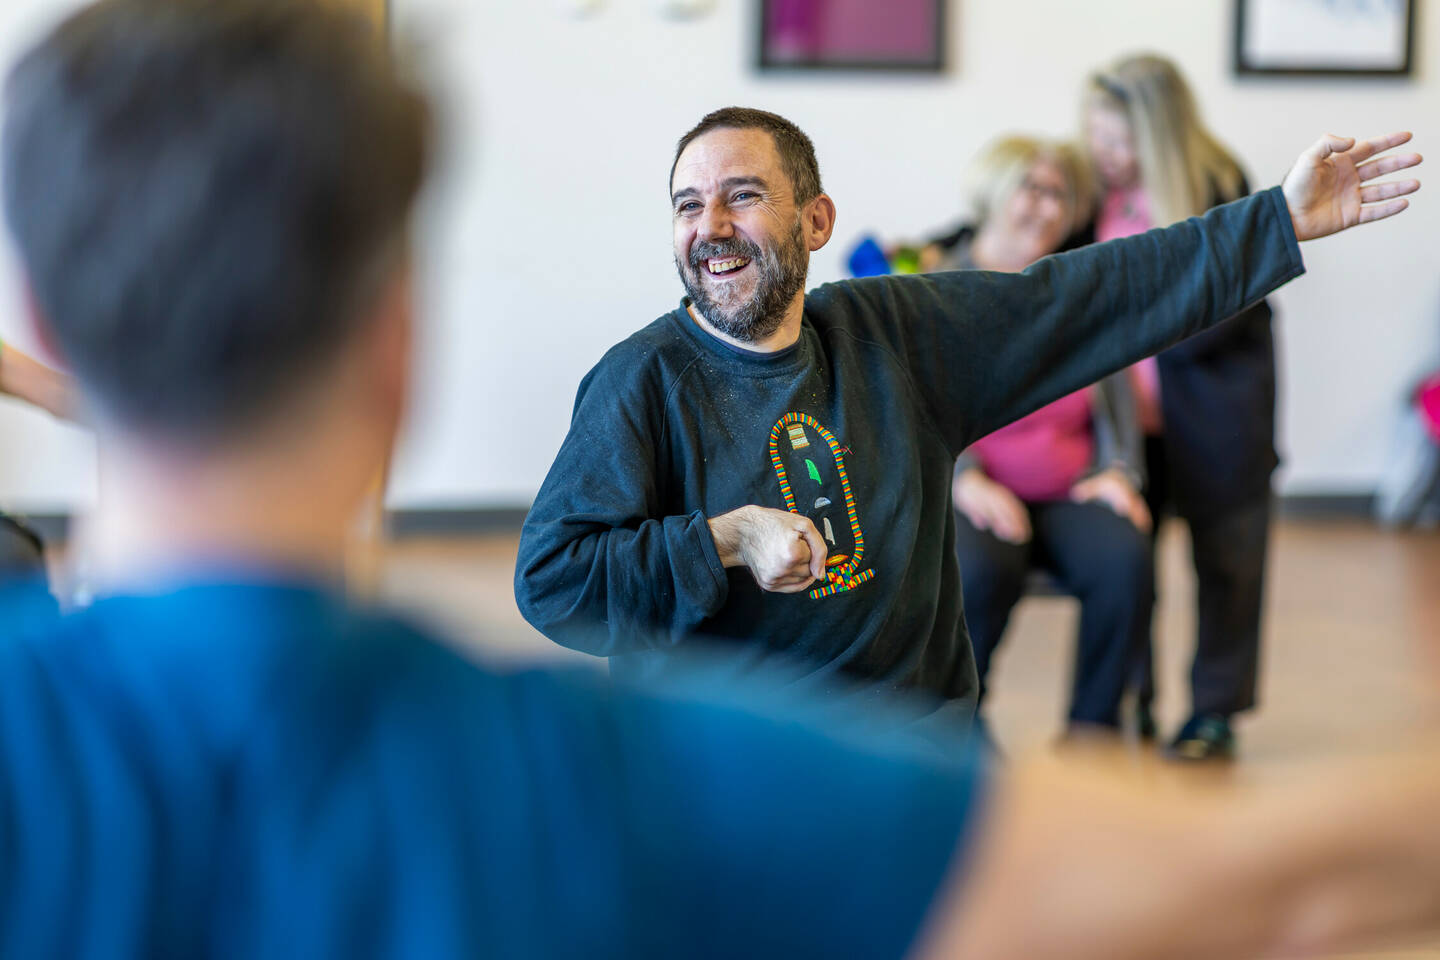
x=723 y=266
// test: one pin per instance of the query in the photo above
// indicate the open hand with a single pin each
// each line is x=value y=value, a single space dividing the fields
x=1329 y=189
x=991 y=506
x=1114 y=489
x=782 y=549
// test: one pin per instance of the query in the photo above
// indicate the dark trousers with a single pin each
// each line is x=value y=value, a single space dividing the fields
x=1094 y=555
x=1229 y=548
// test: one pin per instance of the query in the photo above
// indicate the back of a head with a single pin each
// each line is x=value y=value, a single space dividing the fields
x=1183 y=166
x=205 y=194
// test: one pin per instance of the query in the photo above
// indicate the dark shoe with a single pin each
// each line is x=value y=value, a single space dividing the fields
x=1203 y=738
x=1145 y=727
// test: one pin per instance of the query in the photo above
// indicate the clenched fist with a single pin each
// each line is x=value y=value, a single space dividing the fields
x=783 y=550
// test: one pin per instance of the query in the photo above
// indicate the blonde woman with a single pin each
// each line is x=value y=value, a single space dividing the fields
x=1058 y=489
x=1207 y=406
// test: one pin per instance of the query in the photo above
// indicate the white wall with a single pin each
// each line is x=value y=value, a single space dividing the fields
x=45 y=465
x=546 y=235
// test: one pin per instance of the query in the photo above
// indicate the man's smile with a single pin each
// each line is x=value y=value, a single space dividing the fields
x=726 y=266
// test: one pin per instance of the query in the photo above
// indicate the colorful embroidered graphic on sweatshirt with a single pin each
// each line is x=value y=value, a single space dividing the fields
x=819 y=482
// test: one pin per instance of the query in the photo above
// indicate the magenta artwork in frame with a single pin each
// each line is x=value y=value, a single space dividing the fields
x=852 y=34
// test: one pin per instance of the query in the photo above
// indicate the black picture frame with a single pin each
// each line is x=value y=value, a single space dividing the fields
x=1245 y=64
x=932 y=61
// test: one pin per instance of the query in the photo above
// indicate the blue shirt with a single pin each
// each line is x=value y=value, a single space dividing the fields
x=261 y=771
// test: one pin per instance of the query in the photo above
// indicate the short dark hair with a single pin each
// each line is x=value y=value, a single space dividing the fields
x=797 y=153
x=204 y=194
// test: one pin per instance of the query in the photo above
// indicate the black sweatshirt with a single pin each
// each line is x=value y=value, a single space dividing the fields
x=856 y=426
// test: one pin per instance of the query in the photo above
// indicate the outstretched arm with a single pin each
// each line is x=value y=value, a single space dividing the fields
x=985 y=349
x=1076 y=867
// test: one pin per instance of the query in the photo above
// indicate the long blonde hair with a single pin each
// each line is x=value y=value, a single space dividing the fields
x=1183 y=168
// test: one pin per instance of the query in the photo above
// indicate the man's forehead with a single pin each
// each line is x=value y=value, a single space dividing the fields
x=725 y=153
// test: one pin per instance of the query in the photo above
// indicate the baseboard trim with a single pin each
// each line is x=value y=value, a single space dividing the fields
x=1305 y=506
x=481 y=521
x=454 y=522
x=399 y=524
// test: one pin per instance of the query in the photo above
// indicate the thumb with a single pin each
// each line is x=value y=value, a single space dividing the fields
x=1330 y=144
x=818 y=550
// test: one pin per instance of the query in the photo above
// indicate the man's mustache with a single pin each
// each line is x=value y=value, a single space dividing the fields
x=736 y=247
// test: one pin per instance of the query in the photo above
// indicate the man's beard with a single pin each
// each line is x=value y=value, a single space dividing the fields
x=780 y=272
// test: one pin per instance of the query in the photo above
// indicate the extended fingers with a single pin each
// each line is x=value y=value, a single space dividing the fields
x=1385 y=191
x=1380 y=211
x=1365 y=149
x=1378 y=168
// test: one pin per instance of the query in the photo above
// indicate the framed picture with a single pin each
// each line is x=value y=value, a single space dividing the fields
x=852 y=35
x=1337 y=38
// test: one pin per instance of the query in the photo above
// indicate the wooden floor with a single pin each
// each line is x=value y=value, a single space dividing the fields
x=1351 y=657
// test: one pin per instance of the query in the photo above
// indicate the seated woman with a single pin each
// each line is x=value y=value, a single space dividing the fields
x=1058 y=489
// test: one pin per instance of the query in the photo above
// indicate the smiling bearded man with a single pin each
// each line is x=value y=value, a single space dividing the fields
x=763 y=466
x=779 y=274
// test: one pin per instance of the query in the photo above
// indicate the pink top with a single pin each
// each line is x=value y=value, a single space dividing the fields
x=1124 y=214
x=1040 y=457
x=1429 y=400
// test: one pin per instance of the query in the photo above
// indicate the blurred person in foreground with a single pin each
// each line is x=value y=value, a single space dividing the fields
x=1206 y=405
x=220 y=757
x=1058 y=489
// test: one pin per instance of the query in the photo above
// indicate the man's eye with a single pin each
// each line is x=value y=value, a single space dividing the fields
x=690 y=206
x=745 y=195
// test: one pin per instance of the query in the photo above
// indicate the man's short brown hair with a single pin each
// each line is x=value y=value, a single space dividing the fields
x=797 y=153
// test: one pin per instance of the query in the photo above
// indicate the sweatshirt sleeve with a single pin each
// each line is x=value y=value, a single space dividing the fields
x=985 y=349
x=600 y=568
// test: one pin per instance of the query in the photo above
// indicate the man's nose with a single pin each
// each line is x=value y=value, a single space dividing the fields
x=716 y=224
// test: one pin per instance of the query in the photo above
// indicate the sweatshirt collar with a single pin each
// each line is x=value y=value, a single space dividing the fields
x=728 y=354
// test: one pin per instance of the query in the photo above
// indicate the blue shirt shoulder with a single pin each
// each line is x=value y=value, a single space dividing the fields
x=262 y=770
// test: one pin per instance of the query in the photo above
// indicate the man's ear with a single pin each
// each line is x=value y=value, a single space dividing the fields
x=390 y=344
x=818 y=220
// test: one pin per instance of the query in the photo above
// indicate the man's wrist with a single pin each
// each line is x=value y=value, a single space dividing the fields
x=727 y=530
